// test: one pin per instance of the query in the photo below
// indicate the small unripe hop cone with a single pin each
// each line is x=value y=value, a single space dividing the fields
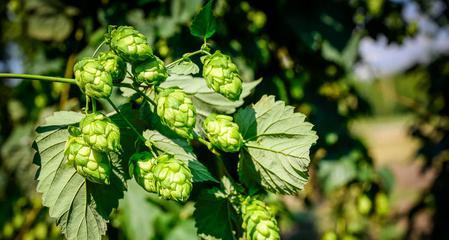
x=151 y=72
x=173 y=178
x=100 y=133
x=258 y=221
x=129 y=43
x=222 y=75
x=223 y=133
x=92 y=78
x=176 y=110
x=113 y=64
x=89 y=163
x=141 y=167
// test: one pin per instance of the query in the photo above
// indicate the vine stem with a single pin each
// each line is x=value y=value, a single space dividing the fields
x=126 y=120
x=38 y=77
x=98 y=48
x=186 y=56
x=140 y=93
x=51 y=79
x=87 y=105
x=209 y=146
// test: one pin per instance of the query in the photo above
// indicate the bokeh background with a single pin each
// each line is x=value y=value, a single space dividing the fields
x=372 y=76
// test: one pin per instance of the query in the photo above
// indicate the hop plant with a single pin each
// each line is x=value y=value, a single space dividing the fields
x=141 y=167
x=100 y=133
x=176 y=111
x=92 y=78
x=173 y=178
x=92 y=139
x=88 y=162
x=150 y=72
x=113 y=64
x=129 y=43
x=223 y=133
x=258 y=222
x=222 y=75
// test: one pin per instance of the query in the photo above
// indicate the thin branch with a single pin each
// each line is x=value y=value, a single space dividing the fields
x=186 y=56
x=126 y=120
x=98 y=48
x=37 y=77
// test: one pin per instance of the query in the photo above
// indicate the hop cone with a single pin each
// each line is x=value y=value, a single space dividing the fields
x=92 y=78
x=223 y=133
x=89 y=163
x=150 y=72
x=141 y=167
x=258 y=222
x=100 y=132
x=176 y=111
x=113 y=64
x=173 y=178
x=222 y=75
x=129 y=43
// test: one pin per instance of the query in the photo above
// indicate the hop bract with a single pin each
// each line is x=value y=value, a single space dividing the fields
x=173 y=178
x=150 y=72
x=113 y=64
x=223 y=133
x=89 y=163
x=176 y=111
x=100 y=132
x=92 y=78
x=129 y=43
x=258 y=222
x=141 y=167
x=222 y=75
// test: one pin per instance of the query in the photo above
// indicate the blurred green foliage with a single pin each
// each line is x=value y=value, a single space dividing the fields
x=304 y=50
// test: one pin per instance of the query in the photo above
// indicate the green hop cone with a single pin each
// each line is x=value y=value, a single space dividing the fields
x=173 y=178
x=222 y=75
x=100 y=133
x=141 y=167
x=92 y=78
x=89 y=163
x=258 y=222
x=113 y=64
x=150 y=72
x=176 y=110
x=223 y=133
x=129 y=43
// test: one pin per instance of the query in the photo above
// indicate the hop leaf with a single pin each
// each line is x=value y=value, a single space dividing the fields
x=89 y=163
x=222 y=75
x=141 y=167
x=258 y=222
x=173 y=178
x=92 y=78
x=129 y=43
x=113 y=64
x=100 y=133
x=150 y=72
x=223 y=133
x=176 y=111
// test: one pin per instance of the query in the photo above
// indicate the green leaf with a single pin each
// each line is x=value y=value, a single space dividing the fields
x=49 y=24
x=204 y=24
x=185 y=230
x=181 y=150
x=347 y=56
x=136 y=215
x=215 y=217
x=184 y=68
x=278 y=141
x=205 y=99
x=82 y=208
x=336 y=173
